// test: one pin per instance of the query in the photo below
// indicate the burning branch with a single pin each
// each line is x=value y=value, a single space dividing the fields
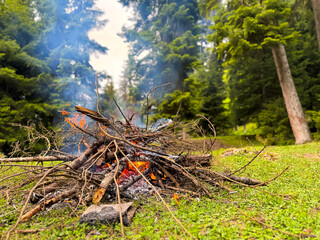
x=121 y=160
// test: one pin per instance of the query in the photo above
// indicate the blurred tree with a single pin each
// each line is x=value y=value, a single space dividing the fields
x=316 y=10
x=106 y=98
x=213 y=93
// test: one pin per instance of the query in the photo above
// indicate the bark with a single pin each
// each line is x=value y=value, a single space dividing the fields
x=316 y=11
x=108 y=179
x=197 y=160
x=78 y=162
x=94 y=115
x=38 y=159
x=48 y=203
x=245 y=180
x=296 y=116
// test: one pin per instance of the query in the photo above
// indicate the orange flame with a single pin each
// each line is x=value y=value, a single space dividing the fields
x=77 y=119
x=102 y=132
x=141 y=165
x=64 y=112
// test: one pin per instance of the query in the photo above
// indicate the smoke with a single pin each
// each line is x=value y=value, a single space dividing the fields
x=68 y=48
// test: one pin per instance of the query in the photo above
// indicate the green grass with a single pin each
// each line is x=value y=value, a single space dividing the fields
x=216 y=218
x=239 y=141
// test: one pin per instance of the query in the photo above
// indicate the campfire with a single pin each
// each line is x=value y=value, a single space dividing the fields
x=122 y=162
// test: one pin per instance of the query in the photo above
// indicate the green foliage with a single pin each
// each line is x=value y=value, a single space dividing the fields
x=25 y=82
x=243 y=32
x=213 y=93
x=184 y=104
x=314 y=123
x=274 y=123
x=106 y=99
x=242 y=27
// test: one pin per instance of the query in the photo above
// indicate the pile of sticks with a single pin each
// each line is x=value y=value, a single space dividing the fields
x=119 y=156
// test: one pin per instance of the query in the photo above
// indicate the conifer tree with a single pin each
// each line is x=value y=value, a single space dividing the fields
x=164 y=46
x=25 y=82
x=44 y=61
x=69 y=48
x=316 y=10
x=244 y=26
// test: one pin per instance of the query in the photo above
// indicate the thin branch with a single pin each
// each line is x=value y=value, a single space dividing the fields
x=243 y=167
x=274 y=178
x=84 y=131
x=117 y=187
x=184 y=190
x=124 y=116
x=38 y=159
x=98 y=98
x=213 y=129
x=169 y=175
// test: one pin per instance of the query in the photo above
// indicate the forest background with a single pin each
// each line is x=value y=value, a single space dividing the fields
x=219 y=57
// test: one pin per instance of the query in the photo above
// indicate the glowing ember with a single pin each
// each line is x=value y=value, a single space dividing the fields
x=142 y=166
x=153 y=177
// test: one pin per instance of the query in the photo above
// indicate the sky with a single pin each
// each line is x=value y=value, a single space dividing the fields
x=113 y=62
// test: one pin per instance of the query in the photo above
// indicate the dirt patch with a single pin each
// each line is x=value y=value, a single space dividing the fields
x=312 y=156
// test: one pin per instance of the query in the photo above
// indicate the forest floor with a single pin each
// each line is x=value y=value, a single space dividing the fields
x=226 y=216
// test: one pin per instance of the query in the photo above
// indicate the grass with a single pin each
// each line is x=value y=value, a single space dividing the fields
x=239 y=141
x=216 y=218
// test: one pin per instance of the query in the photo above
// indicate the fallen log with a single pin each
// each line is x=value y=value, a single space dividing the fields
x=107 y=181
x=245 y=180
x=39 y=159
x=94 y=115
x=197 y=160
x=78 y=162
x=48 y=203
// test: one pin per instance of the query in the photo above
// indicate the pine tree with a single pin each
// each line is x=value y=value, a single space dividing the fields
x=213 y=93
x=253 y=25
x=69 y=48
x=165 y=46
x=25 y=82
x=44 y=61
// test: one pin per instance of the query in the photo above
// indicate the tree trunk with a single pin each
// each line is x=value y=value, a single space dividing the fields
x=297 y=120
x=316 y=11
